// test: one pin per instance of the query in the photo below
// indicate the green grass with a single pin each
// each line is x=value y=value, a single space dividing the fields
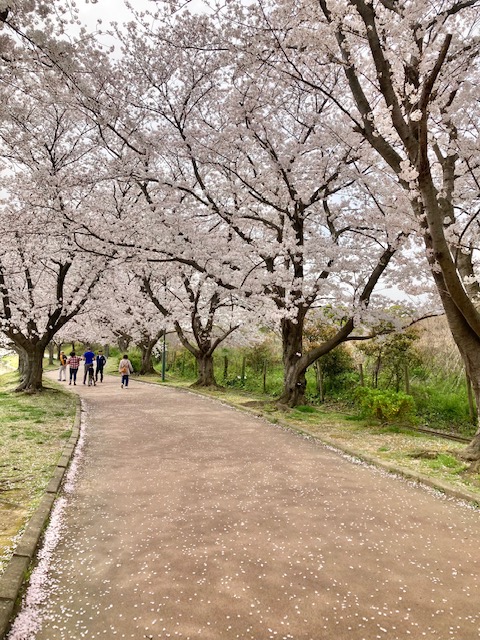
x=33 y=431
x=446 y=461
x=305 y=409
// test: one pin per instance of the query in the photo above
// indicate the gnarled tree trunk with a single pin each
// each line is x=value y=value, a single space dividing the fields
x=31 y=379
x=146 y=349
x=294 y=380
x=206 y=375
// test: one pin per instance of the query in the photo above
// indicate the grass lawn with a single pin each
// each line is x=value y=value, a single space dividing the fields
x=34 y=429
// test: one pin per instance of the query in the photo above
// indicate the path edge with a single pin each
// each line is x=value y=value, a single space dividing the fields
x=16 y=574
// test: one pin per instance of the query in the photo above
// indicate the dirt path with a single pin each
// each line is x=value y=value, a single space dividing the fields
x=192 y=520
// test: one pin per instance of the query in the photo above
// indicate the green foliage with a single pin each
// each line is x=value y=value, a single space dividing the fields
x=260 y=354
x=441 y=405
x=388 y=356
x=439 y=399
x=245 y=368
x=335 y=368
x=135 y=357
x=115 y=355
x=114 y=352
x=182 y=363
x=385 y=405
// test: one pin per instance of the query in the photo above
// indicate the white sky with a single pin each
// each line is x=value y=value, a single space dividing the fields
x=109 y=11
x=116 y=11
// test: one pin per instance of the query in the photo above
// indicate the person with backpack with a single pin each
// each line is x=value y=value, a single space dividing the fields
x=125 y=368
x=63 y=367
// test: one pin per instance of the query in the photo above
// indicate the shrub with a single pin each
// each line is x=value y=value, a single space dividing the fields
x=385 y=405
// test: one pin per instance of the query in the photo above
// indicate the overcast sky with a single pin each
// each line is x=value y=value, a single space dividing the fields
x=115 y=10
x=109 y=10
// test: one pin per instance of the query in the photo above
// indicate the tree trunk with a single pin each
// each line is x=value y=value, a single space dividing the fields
x=32 y=378
x=468 y=343
x=319 y=377
x=407 y=378
x=294 y=380
x=294 y=388
x=376 y=372
x=206 y=375
x=471 y=405
x=22 y=361
x=51 y=352
x=123 y=343
x=243 y=369
x=147 y=364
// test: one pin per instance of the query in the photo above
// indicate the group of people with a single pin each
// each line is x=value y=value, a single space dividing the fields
x=94 y=365
x=92 y=371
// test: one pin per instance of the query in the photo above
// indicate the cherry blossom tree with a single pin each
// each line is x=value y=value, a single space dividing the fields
x=269 y=167
x=243 y=176
x=220 y=162
x=412 y=72
x=203 y=314
x=133 y=314
x=407 y=82
x=47 y=155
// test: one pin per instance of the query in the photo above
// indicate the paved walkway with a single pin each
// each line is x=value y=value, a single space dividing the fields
x=192 y=520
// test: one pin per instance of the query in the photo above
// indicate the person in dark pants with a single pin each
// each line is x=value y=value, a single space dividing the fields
x=73 y=364
x=125 y=368
x=89 y=358
x=100 y=362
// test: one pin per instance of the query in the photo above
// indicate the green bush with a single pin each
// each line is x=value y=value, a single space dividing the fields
x=385 y=405
x=135 y=357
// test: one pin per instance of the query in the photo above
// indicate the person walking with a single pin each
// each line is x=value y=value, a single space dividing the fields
x=100 y=361
x=63 y=367
x=125 y=368
x=89 y=358
x=73 y=364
